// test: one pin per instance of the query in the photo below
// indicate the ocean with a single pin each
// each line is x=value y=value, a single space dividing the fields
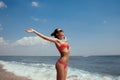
x=80 y=68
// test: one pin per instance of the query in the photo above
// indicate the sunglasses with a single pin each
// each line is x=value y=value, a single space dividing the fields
x=60 y=31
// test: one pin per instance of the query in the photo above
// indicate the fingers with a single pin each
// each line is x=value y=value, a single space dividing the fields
x=29 y=30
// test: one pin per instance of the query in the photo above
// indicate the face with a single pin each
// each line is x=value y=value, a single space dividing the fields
x=60 y=33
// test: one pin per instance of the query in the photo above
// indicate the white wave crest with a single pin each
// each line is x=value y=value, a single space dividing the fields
x=40 y=71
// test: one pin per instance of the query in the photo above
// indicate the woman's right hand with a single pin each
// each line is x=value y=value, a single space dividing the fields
x=30 y=30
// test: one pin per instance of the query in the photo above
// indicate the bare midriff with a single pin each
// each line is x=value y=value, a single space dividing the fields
x=64 y=56
x=64 y=50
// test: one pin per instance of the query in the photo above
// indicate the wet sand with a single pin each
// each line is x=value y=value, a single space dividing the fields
x=5 y=75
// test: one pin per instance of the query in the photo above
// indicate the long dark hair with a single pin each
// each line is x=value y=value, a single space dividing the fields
x=56 y=31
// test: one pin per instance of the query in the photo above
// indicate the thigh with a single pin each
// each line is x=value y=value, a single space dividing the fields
x=65 y=72
x=60 y=71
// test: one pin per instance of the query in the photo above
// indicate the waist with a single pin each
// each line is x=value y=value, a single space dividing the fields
x=64 y=59
x=64 y=53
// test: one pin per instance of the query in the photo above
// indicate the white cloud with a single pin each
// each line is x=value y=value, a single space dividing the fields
x=26 y=46
x=38 y=19
x=35 y=4
x=3 y=41
x=25 y=41
x=29 y=41
x=35 y=19
x=2 y=5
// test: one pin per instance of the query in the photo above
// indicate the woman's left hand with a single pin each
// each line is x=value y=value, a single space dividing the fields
x=30 y=30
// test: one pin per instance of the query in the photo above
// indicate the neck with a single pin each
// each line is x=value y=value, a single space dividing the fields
x=64 y=39
x=59 y=37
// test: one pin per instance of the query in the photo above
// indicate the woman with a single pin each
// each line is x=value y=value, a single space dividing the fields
x=62 y=46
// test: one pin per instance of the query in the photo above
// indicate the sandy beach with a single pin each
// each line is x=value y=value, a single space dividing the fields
x=5 y=75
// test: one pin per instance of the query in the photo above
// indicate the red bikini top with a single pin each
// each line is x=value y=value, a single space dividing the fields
x=63 y=46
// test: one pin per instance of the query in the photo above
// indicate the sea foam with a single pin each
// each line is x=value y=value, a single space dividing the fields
x=41 y=71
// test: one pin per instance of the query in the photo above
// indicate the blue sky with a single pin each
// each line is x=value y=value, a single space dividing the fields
x=92 y=26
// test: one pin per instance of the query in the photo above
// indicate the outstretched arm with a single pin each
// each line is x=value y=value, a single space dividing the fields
x=41 y=35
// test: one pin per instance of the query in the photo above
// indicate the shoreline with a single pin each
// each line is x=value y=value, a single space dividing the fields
x=5 y=75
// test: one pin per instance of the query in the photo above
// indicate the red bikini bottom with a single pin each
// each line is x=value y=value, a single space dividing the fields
x=60 y=62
